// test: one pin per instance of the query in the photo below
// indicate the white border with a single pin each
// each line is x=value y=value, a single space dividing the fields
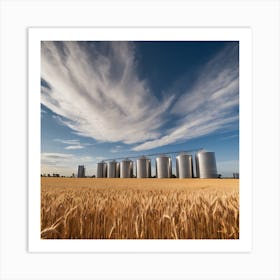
x=243 y=35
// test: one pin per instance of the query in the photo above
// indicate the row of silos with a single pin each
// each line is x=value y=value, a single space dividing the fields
x=205 y=167
x=108 y=170
x=205 y=163
x=124 y=169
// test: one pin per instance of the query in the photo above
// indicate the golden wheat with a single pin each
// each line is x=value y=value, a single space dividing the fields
x=139 y=209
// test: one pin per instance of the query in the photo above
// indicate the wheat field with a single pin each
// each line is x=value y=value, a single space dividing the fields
x=90 y=208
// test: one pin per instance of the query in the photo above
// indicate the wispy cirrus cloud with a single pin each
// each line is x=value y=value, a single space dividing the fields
x=71 y=144
x=116 y=149
x=96 y=89
x=76 y=147
x=210 y=105
x=56 y=158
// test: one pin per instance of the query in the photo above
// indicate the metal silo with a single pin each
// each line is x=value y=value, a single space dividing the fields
x=143 y=167
x=101 y=170
x=112 y=169
x=184 y=166
x=206 y=165
x=81 y=171
x=163 y=167
x=126 y=168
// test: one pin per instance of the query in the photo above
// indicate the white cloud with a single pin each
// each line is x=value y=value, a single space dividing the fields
x=73 y=144
x=76 y=147
x=58 y=120
x=69 y=142
x=116 y=149
x=99 y=93
x=229 y=136
x=208 y=106
x=56 y=158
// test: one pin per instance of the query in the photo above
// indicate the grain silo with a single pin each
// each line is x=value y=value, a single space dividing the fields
x=206 y=165
x=126 y=168
x=163 y=167
x=184 y=166
x=101 y=170
x=81 y=171
x=112 y=169
x=143 y=167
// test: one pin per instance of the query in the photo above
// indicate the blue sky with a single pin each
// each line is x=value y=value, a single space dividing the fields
x=103 y=100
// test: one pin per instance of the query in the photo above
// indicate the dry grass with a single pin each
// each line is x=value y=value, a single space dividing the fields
x=139 y=208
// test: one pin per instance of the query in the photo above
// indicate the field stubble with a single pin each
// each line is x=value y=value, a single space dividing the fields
x=139 y=208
